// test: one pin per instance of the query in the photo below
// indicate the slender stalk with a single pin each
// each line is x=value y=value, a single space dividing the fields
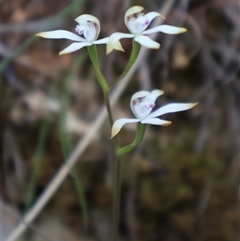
x=117 y=198
x=117 y=182
x=138 y=137
x=117 y=176
x=108 y=107
x=132 y=59
x=92 y=50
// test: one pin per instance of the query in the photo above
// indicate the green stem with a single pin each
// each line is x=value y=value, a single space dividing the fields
x=117 y=198
x=133 y=56
x=108 y=107
x=117 y=182
x=92 y=50
x=139 y=135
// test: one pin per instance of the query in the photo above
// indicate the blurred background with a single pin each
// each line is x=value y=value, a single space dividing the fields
x=181 y=183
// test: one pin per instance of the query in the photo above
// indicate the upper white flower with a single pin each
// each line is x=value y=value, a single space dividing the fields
x=142 y=104
x=136 y=23
x=88 y=30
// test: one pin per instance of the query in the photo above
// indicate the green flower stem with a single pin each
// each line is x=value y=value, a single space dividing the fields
x=133 y=56
x=117 y=198
x=117 y=182
x=92 y=50
x=139 y=135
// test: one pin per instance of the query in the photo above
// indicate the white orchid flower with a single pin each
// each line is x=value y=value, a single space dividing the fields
x=142 y=104
x=88 y=28
x=136 y=23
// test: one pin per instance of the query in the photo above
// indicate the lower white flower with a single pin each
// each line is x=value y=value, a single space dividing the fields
x=142 y=104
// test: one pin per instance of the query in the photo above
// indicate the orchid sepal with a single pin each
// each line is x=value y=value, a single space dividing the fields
x=73 y=47
x=60 y=34
x=145 y=41
x=156 y=121
x=114 y=43
x=170 y=108
x=167 y=29
x=117 y=126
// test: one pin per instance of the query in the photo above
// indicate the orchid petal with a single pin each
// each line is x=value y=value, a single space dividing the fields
x=60 y=34
x=165 y=29
x=154 y=94
x=113 y=42
x=137 y=24
x=150 y=16
x=88 y=17
x=143 y=102
x=170 y=108
x=120 y=123
x=101 y=41
x=155 y=121
x=147 y=42
x=73 y=47
x=137 y=95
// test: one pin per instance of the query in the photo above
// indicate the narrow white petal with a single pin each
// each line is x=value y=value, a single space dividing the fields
x=113 y=42
x=101 y=41
x=118 y=124
x=73 y=47
x=170 y=108
x=155 y=121
x=165 y=29
x=147 y=42
x=60 y=34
